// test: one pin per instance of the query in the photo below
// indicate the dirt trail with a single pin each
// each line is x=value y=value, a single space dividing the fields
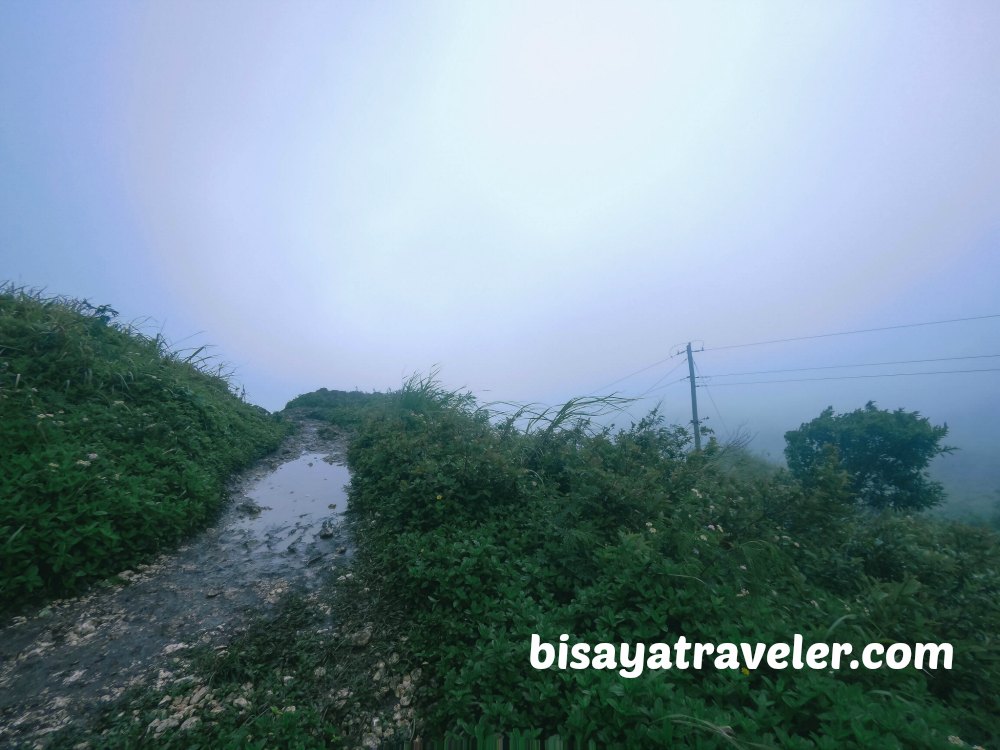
x=281 y=529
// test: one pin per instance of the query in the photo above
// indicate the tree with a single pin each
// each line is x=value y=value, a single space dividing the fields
x=884 y=454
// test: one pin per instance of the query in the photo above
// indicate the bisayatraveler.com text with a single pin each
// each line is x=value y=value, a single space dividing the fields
x=632 y=659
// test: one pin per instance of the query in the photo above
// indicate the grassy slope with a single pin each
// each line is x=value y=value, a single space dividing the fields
x=113 y=447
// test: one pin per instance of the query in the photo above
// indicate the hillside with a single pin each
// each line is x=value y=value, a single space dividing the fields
x=114 y=447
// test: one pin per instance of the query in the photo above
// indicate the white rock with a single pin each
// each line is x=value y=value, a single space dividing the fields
x=190 y=723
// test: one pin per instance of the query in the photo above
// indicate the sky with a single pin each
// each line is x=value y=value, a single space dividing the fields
x=537 y=198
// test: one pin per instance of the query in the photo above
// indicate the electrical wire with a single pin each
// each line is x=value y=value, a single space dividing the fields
x=855 y=377
x=664 y=387
x=667 y=375
x=800 y=338
x=849 y=333
x=632 y=374
x=863 y=364
x=712 y=399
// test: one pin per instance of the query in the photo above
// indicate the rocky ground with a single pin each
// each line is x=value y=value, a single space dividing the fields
x=60 y=663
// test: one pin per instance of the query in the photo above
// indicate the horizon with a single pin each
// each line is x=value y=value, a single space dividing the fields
x=539 y=200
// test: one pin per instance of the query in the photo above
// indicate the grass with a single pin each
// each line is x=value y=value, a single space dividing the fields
x=115 y=446
x=474 y=531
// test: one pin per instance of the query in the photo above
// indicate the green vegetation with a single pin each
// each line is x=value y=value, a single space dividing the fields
x=884 y=455
x=478 y=535
x=345 y=409
x=475 y=531
x=114 y=447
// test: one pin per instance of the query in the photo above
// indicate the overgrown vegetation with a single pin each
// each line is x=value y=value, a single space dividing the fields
x=483 y=535
x=114 y=446
x=474 y=531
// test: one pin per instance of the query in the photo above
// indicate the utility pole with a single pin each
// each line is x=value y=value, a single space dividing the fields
x=694 y=401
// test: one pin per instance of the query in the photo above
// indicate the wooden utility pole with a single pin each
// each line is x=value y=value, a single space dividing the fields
x=694 y=401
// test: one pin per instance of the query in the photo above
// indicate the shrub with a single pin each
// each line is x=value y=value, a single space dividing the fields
x=883 y=454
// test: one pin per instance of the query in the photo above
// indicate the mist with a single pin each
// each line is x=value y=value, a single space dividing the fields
x=540 y=201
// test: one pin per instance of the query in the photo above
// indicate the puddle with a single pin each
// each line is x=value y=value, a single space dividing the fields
x=296 y=506
x=278 y=533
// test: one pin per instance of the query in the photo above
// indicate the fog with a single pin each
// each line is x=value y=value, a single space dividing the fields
x=541 y=201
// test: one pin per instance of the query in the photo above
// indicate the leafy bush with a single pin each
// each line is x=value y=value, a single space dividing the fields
x=114 y=447
x=883 y=454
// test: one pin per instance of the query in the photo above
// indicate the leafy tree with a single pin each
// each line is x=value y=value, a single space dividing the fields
x=884 y=454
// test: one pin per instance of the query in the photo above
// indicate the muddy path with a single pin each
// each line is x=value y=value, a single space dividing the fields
x=281 y=530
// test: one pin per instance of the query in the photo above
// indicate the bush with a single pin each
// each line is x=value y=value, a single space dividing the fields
x=883 y=454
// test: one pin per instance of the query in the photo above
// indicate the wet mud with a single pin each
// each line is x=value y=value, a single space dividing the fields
x=281 y=530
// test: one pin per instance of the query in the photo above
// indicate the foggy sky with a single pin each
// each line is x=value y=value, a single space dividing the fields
x=538 y=197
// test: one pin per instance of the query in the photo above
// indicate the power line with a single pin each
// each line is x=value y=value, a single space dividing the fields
x=664 y=387
x=712 y=399
x=798 y=338
x=849 y=333
x=863 y=364
x=631 y=374
x=667 y=375
x=855 y=377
